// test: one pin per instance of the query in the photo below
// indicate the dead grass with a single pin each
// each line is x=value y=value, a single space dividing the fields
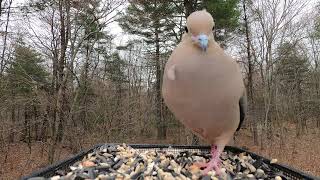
x=21 y=162
x=301 y=153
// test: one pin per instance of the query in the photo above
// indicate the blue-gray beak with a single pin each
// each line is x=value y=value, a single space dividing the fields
x=203 y=41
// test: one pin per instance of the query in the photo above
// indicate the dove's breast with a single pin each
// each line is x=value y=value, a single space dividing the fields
x=202 y=90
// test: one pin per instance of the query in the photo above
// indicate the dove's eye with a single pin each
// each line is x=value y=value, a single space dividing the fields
x=213 y=28
x=186 y=29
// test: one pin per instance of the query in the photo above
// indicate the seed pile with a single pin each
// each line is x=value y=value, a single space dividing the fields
x=117 y=162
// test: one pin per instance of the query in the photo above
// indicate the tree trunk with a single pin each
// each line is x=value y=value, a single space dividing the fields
x=250 y=65
x=159 y=105
x=27 y=125
x=36 y=123
x=250 y=73
x=13 y=117
x=45 y=123
x=161 y=127
x=61 y=100
x=2 y=61
x=190 y=6
x=1 y=7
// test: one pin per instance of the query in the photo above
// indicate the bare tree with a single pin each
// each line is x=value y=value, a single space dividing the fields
x=3 y=63
x=270 y=22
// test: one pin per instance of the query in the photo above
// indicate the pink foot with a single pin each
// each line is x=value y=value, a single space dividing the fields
x=213 y=164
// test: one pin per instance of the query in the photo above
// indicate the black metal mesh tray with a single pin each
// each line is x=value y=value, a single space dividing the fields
x=289 y=172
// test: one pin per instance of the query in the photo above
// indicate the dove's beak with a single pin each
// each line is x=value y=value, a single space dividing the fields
x=203 y=41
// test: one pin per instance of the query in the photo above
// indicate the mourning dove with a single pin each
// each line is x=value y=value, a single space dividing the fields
x=203 y=87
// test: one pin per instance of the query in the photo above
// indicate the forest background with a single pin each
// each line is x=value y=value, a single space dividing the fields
x=75 y=73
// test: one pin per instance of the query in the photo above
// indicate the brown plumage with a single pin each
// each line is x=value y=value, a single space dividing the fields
x=203 y=86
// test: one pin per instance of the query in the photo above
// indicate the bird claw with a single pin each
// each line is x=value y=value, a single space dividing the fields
x=211 y=165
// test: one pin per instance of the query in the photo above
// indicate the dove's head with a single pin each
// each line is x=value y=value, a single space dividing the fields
x=200 y=25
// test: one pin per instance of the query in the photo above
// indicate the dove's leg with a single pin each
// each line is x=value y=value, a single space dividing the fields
x=214 y=163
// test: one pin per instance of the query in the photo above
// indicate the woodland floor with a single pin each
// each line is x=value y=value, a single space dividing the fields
x=299 y=152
